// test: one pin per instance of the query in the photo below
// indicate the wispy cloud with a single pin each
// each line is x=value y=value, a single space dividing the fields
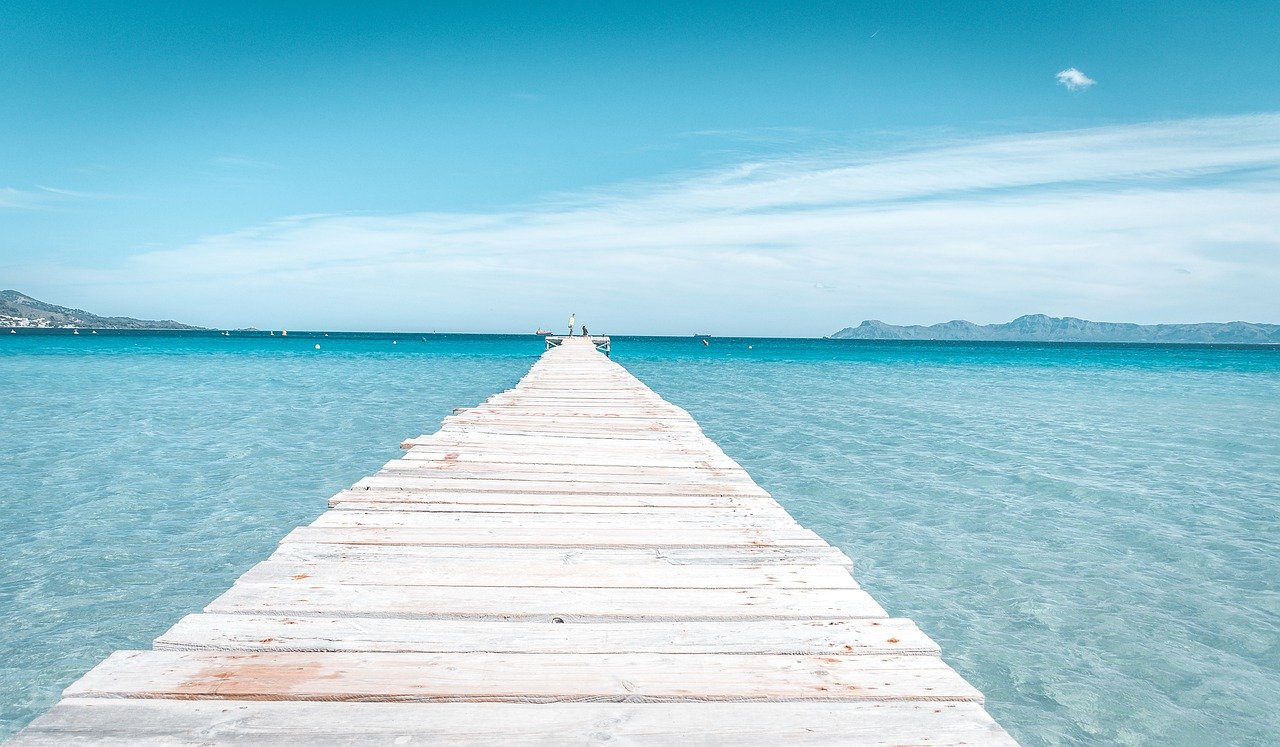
x=1142 y=222
x=20 y=199
x=43 y=197
x=1074 y=80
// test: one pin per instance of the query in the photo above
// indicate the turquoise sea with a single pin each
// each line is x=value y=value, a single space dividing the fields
x=1092 y=532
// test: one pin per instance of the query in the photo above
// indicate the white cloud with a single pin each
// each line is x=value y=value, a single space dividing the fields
x=41 y=197
x=1171 y=221
x=1074 y=80
x=20 y=199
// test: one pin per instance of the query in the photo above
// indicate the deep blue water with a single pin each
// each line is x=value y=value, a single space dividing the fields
x=1090 y=531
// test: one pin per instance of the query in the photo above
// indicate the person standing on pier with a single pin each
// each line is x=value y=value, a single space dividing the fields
x=572 y=318
x=585 y=333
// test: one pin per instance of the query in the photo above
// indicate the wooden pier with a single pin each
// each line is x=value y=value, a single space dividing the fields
x=570 y=562
x=601 y=343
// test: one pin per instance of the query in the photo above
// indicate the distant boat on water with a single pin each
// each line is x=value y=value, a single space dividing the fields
x=542 y=332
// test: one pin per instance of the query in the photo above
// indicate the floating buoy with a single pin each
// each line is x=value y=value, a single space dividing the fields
x=326 y=334
x=94 y=332
x=749 y=347
x=393 y=342
x=317 y=346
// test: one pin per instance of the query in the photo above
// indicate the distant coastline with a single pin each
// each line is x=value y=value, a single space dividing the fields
x=1042 y=328
x=20 y=311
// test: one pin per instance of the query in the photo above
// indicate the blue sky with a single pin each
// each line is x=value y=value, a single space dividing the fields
x=780 y=168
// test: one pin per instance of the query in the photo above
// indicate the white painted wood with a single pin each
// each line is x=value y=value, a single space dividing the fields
x=560 y=473
x=478 y=468
x=655 y=524
x=442 y=484
x=274 y=633
x=524 y=451
x=78 y=721
x=546 y=603
x=773 y=555
x=551 y=537
x=475 y=457
x=357 y=502
x=410 y=495
x=522 y=678
x=384 y=571
x=696 y=484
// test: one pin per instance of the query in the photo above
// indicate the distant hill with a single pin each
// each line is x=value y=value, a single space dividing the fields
x=20 y=310
x=1041 y=328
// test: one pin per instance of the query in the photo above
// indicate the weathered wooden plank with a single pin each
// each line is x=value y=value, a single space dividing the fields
x=359 y=502
x=546 y=603
x=561 y=473
x=517 y=537
x=443 y=484
x=476 y=467
x=657 y=524
x=549 y=421
x=527 y=451
x=411 y=495
x=384 y=571
x=697 y=484
x=275 y=633
x=566 y=442
x=475 y=457
x=556 y=450
x=79 y=721
x=524 y=678
x=613 y=413
x=676 y=556
x=572 y=439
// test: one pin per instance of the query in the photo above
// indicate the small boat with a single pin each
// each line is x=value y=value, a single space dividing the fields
x=75 y=331
x=542 y=332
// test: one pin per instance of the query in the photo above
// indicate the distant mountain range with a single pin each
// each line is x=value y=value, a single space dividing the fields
x=20 y=310
x=1041 y=328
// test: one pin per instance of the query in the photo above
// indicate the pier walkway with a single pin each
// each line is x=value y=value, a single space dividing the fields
x=570 y=562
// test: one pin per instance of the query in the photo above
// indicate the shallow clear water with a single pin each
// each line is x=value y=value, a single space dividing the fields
x=1091 y=532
